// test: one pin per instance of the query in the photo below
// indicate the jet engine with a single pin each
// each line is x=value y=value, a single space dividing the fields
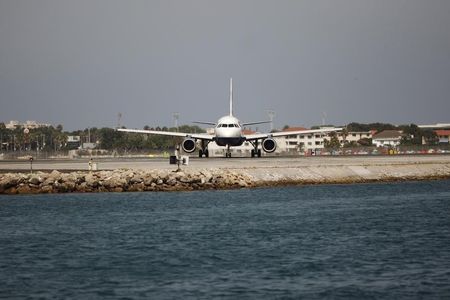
x=188 y=145
x=269 y=145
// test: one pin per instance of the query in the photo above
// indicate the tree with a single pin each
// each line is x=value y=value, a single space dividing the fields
x=358 y=127
x=430 y=137
x=365 y=142
x=413 y=135
x=333 y=143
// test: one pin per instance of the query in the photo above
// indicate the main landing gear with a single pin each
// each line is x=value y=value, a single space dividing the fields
x=255 y=152
x=204 y=150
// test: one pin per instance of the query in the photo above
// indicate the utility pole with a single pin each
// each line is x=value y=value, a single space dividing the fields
x=119 y=119
x=324 y=117
x=271 y=114
x=176 y=116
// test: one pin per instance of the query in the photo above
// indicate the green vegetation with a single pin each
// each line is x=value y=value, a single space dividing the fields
x=359 y=127
x=54 y=139
x=332 y=143
x=46 y=139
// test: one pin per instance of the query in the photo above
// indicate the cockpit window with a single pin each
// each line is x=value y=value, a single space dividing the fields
x=228 y=125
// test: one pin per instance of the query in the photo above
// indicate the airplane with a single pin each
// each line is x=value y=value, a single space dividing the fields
x=228 y=132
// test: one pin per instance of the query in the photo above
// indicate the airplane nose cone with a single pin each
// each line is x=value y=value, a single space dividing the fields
x=228 y=133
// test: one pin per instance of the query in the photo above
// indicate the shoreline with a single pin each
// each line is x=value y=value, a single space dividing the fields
x=158 y=180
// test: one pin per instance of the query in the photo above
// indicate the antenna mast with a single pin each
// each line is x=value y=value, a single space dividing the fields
x=231 y=96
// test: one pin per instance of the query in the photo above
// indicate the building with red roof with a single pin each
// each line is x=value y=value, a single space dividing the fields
x=443 y=135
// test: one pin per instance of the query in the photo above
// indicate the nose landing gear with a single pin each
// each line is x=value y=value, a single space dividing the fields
x=228 y=153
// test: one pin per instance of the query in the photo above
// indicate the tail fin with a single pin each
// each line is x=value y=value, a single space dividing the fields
x=231 y=96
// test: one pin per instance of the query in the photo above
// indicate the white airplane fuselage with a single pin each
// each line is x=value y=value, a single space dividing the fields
x=228 y=132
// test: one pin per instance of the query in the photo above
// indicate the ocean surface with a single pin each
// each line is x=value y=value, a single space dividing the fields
x=359 y=241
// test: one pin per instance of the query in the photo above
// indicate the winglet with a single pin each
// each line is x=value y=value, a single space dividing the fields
x=231 y=96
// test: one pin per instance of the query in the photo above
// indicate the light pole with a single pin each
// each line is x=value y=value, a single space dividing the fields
x=176 y=116
x=271 y=114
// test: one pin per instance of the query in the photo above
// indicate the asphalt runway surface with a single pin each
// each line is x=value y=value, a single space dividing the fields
x=227 y=163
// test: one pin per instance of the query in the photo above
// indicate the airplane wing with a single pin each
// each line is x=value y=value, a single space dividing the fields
x=259 y=136
x=255 y=123
x=199 y=136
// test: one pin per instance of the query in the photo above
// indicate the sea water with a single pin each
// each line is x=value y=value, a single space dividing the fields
x=331 y=241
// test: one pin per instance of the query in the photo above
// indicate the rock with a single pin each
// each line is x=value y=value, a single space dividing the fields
x=8 y=181
x=91 y=181
x=24 y=189
x=136 y=179
x=242 y=183
x=148 y=180
x=55 y=173
x=138 y=187
x=69 y=185
x=46 y=189
x=83 y=188
x=35 y=180
x=171 y=181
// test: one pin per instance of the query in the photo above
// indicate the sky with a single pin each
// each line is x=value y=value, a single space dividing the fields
x=81 y=63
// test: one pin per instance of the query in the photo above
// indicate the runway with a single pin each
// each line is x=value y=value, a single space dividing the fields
x=196 y=163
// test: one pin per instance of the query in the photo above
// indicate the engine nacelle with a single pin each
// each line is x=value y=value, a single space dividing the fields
x=189 y=145
x=269 y=145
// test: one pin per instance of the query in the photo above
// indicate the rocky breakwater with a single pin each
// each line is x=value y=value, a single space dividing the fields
x=121 y=181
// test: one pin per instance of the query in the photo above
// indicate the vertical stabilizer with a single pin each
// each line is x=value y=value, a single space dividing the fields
x=231 y=96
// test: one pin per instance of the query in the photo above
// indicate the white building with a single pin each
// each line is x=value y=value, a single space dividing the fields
x=28 y=124
x=300 y=142
x=354 y=136
x=306 y=143
x=387 y=138
x=443 y=135
x=12 y=124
